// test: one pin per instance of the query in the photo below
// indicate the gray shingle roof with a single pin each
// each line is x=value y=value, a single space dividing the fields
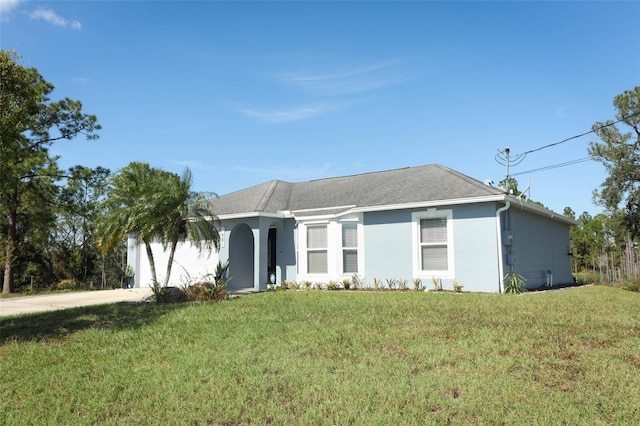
x=399 y=186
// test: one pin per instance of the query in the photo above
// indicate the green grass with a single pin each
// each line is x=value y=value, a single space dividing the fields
x=564 y=357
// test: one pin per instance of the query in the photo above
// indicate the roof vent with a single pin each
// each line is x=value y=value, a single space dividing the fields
x=488 y=182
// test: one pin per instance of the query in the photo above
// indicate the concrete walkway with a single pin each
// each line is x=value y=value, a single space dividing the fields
x=52 y=302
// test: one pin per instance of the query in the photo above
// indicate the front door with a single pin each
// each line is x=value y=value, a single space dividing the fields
x=271 y=255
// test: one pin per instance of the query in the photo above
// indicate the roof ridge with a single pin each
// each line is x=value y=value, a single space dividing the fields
x=469 y=179
x=369 y=173
x=264 y=200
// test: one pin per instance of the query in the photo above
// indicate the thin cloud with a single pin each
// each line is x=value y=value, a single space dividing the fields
x=349 y=81
x=8 y=5
x=80 y=80
x=286 y=116
x=51 y=17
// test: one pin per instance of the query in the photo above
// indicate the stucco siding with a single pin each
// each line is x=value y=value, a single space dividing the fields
x=388 y=245
x=187 y=263
x=475 y=247
x=287 y=247
x=539 y=245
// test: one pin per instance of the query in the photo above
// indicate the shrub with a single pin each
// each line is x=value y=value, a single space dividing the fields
x=391 y=283
x=417 y=283
x=168 y=294
x=377 y=283
x=457 y=287
x=359 y=282
x=437 y=283
x=332 y=285
x=205 y=291
x=209 y=287
x=631 y=285
x=291 y=285
x=68 y=284
x=346 y=283
x=513 y=283
x=403 y=284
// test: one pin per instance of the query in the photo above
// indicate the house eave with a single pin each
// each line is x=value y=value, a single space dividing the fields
x=517 y=202
x=245 y=215
x=428 y=204
x=503 y=198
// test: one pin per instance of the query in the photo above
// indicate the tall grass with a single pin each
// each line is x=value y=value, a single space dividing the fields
x=569 y=356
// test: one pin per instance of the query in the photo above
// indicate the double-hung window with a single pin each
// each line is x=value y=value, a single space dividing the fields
x=317 y=249
x=433 y=244
x=349 y=248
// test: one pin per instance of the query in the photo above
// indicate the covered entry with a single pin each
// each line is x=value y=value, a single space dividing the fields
x=241 y=258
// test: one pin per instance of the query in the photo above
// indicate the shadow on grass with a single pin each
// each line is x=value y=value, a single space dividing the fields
x=55 y=325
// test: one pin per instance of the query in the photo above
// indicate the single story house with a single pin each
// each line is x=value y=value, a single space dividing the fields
x=427 y=222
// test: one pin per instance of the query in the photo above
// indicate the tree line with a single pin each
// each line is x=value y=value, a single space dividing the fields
x=68 y=228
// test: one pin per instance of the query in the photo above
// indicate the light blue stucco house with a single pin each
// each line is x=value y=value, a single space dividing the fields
x=416 y=222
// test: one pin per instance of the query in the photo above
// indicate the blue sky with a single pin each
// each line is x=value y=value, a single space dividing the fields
x=246 y=92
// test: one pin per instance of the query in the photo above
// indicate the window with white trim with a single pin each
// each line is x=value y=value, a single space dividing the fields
x=433 y=244
x=317 y=249
x=349 y=248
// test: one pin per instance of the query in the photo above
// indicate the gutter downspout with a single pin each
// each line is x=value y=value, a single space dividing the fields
x=499 y=233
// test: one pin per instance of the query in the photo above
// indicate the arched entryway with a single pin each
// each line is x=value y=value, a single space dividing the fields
x=241 y=258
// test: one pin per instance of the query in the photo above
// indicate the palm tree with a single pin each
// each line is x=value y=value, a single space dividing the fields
x=156 y=205
x=188 y=218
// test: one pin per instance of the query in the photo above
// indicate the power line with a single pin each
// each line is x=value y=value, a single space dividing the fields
x=554 y=166
x=502 y=157
x=580 y=135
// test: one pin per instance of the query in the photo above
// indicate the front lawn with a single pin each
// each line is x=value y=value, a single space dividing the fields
x=308 y=357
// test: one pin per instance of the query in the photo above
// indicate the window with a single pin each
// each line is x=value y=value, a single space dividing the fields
x=317 y=249
x=349 y=248
x=433 y=244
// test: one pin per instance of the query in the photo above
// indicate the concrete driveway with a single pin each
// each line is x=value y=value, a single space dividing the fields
x=52 y=302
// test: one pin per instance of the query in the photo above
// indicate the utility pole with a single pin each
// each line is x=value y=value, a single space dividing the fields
x=506 y=176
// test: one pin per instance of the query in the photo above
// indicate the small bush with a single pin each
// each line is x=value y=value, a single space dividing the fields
x=168 y=295
x=391 y=283
x=631 y=285
x=437 y=283
x=417 y=283
x=457 y=287
x=513 y=283
x=346 y=283
x=205 y=292
x=66 y=285
x=291 y=285
x=359 y=282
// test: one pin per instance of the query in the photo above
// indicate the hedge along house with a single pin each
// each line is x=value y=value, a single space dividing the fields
x=417 y=222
